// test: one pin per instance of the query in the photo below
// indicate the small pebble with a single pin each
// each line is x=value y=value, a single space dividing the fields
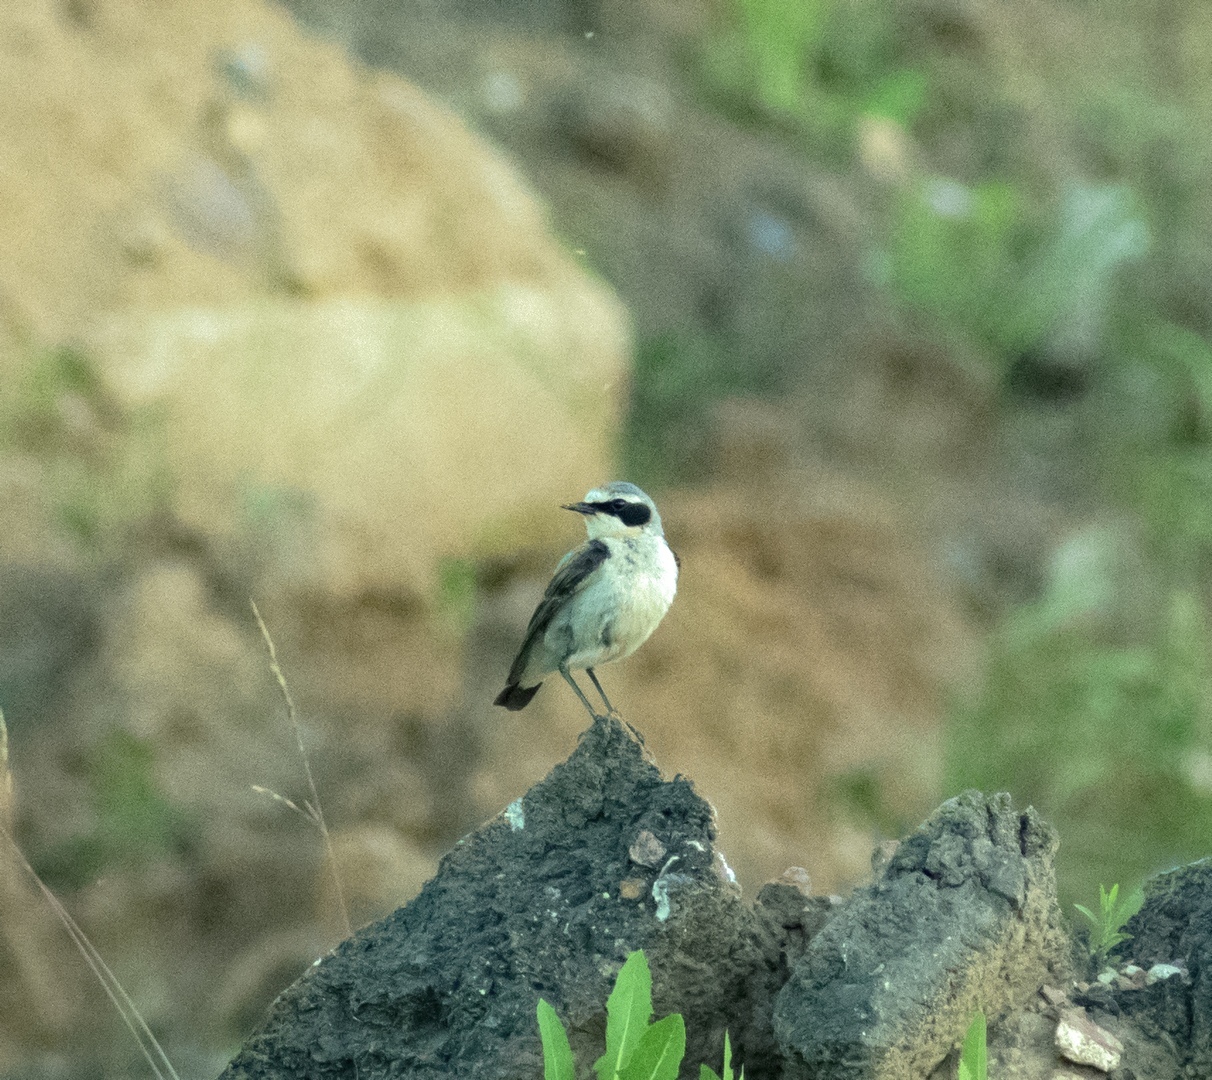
x=1080 y=1040
x=1159 y=972
x=647 y=849
x=1053 y=995
x=632 y=888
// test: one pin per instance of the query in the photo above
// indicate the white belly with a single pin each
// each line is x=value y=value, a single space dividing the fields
x=617 y=613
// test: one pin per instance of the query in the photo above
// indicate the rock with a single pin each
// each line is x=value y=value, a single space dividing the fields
x=1171 y=936
x=529 y=906
x=1161 y=972
x=321 y=301
x=285 y=426
x=1136 y=977
x=964 y=916
x=792 y=917
x=647 y=850
x=1080 y=1040
x=1053 y=995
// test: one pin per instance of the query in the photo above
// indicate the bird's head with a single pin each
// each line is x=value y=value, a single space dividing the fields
x=618 y=509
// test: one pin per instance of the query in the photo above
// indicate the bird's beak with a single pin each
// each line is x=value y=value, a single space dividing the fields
x=581 y=508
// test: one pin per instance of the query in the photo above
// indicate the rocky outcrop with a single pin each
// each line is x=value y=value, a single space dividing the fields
x=1167 y=992
x=963 y=917
x=604 y=857
x=600 y=858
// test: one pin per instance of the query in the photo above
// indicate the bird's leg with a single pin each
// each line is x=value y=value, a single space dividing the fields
x=605 y=699
x=584 y=700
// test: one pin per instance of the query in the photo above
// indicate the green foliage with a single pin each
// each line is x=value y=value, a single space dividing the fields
x=1095 y=708
x=457 y=592
x=1158 y=442
x=817 y=65
x=779 y=38
x=134 y=823
x=658 y=1053
x=975 y=261
x=557 y=1054
x=636 y=1049
x=1107 y=925
x=675 y=382
x=973 y=1064
x=708 y=1073
x=862 y=794
x=628 y=1010
x=55 y=409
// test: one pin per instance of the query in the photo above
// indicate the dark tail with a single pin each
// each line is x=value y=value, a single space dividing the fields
x=515 y=697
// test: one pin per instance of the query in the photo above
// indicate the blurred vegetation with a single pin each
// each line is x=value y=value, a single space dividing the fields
x=57 y=410
x=135 y=823
x=676 y=380
x=813 y=67
x=1063 y=243
x=1100 y=716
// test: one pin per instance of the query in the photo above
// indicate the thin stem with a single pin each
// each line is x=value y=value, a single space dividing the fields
x=151 y=1048
x=316 y=812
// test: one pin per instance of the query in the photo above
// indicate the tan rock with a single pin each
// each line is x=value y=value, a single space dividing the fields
x=336 y=318
x=1080 y=1040
x=351 y=445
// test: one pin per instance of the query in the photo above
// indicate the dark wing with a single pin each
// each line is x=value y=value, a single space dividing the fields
x=569 y=579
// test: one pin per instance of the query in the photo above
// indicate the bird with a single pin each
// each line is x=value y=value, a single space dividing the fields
x=604 y=601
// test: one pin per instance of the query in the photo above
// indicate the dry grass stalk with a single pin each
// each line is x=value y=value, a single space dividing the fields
x=134 y=1021
x=311 y=810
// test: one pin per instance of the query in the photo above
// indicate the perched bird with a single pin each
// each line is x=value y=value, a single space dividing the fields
x=606 y=597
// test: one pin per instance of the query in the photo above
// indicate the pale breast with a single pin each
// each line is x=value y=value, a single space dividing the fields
x=616 y=612
x=646 y=587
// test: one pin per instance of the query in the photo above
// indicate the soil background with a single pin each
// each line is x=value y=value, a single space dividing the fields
x=331 y=306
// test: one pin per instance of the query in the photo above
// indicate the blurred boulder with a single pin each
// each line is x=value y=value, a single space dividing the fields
x=335 y=318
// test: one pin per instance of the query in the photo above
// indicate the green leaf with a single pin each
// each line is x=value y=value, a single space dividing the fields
x=1087 y=912
x=628 y=1010
x=1112 y=914
x=708 y=1073
x=972 y=1065
x=557 y=1054
x=658 y=1055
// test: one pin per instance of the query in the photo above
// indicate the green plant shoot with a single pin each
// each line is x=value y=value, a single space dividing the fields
x=628 y=1010
x=635 y=1048
x=557 y=1054
x=972 y=1063
x=1106 y=926
x=708 y=1073
x=659 y=1052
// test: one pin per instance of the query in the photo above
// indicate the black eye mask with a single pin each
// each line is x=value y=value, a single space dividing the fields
x=629 y=513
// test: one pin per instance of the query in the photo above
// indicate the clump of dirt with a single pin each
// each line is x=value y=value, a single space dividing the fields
x=600 y=858
x=964 y=917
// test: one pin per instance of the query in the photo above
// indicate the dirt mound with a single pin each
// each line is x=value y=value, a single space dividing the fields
x=190 y=155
